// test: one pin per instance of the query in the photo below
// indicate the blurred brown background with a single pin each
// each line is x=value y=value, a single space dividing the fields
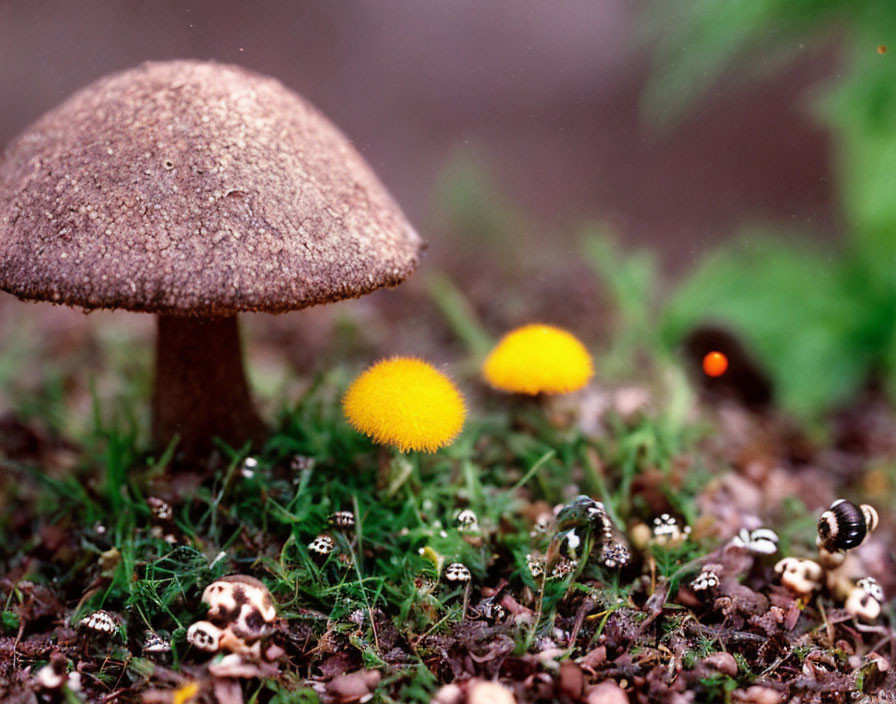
x=542 y=96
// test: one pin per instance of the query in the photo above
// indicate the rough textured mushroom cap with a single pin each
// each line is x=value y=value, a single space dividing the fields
x=196 y=189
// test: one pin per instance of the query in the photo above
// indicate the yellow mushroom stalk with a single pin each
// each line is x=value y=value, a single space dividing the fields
x=538 y=359
x=406 y=403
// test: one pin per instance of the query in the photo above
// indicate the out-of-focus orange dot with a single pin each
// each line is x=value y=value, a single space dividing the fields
x=715 y=364
x=882 y=49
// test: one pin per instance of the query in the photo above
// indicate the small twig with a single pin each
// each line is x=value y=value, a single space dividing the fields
x=429 y=630
x=124 y=668
x=774 y=666
x=876 y=629
x=15 y=644
x=587 y=605
x=727 y=633
x=539 y=609
x=463 y=613
x=827 y=625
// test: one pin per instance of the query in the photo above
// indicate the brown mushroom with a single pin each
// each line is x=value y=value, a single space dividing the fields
x=195 y=191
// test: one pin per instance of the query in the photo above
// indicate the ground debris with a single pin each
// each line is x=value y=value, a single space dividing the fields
x=381 y=622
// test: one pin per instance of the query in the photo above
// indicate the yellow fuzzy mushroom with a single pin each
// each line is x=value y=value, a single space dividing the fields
x=406 y=403
x=538 y=359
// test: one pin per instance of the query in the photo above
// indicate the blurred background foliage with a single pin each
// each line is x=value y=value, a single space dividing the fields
x=823 y=320
x=500 y=127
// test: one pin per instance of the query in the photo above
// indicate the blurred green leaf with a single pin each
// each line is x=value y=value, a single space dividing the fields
x=794 y=307
x=821 y=321
x=629 y=279
x=698 y=41
x=10 y=621
x=861 y=110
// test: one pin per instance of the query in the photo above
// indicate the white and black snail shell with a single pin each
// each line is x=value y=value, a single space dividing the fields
x=668 y=531
x=154 y=643
x=343 y=520
x=665 y=525
x=762 y=541
x=490 y=610
x=101 y=622
x=535 y=564
x=457 y=572
x=467 y=520
x=615 y=555
x=844 y=525
x=563 y=568
x=322 y=545
x=161 y=510
x=705 y=581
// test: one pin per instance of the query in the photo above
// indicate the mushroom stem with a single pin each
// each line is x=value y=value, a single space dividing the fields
x=200 y=387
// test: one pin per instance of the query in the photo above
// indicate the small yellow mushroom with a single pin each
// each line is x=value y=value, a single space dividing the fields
x=406 y=403
x=538 y=359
